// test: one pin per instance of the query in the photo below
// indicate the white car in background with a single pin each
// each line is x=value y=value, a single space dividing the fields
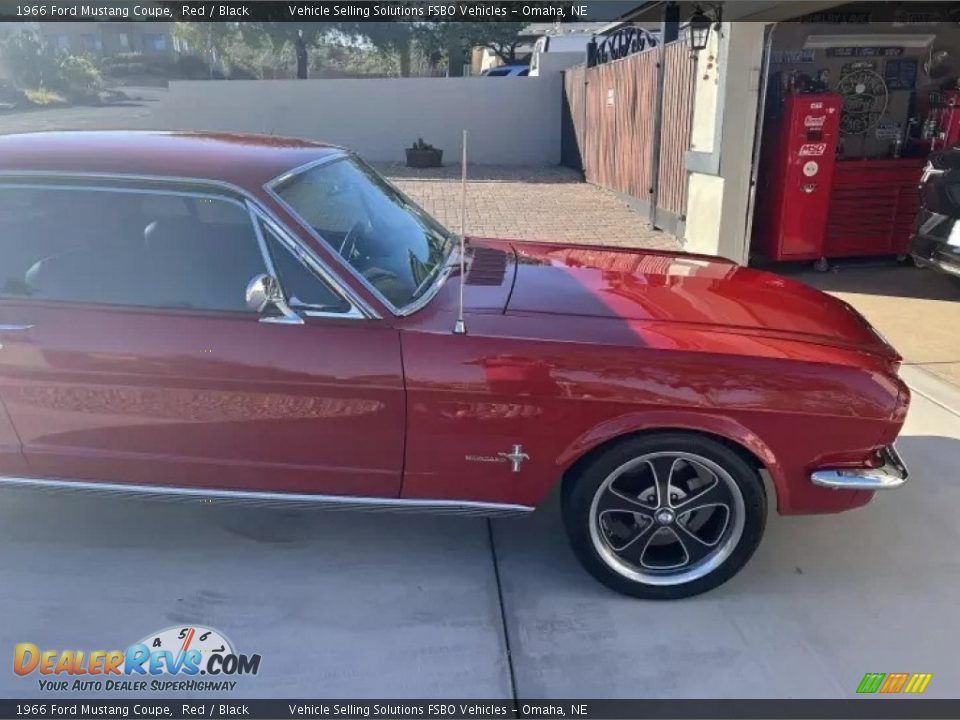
x=575 y=43
x=507 y=71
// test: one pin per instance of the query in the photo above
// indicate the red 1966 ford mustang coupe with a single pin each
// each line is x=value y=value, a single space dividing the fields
x=269 y=320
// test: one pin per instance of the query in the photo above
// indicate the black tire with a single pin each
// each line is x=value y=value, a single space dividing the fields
x=612 y=478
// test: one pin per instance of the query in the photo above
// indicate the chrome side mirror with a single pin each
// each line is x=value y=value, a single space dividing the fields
x=264 y=295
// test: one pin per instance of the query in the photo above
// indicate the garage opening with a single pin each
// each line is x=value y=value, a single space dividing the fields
x=853 y=110
x=852 y=170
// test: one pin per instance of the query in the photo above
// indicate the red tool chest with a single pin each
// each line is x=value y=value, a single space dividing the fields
x=872 y=207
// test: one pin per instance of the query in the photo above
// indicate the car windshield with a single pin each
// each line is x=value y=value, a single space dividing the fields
x=382 y=234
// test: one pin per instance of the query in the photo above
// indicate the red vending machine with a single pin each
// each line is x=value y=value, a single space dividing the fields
x=794 y=188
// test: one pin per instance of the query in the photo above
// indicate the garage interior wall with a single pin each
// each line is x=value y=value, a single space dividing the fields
x=790 y=37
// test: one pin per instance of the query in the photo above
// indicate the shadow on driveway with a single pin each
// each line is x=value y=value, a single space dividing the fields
x=337 y=604
x=886 y=279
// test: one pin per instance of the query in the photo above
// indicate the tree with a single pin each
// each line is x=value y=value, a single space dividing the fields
x=300 y=36
x=211 y=39
x=392 y=37
x=502 y=38
x=35 y=64
x=455 y=39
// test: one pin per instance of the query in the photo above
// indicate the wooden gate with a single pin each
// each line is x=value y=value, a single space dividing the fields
x=627 y=126
x=676 y=125
x=621 y=106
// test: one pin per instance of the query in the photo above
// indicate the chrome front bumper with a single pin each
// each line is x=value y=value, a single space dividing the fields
x=892 y=474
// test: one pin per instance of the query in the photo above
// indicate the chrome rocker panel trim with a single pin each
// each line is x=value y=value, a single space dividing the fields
x=271 y=499
x=892 y=474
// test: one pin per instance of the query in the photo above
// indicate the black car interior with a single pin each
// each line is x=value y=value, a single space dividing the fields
x=131 y=248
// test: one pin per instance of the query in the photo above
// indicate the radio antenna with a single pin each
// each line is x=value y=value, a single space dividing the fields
x=460 y=327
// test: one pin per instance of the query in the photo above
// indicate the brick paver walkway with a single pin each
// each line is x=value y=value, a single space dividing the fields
x=541 y=203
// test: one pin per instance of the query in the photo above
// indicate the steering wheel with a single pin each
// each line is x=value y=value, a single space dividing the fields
x=389 y=284
x=349 y=243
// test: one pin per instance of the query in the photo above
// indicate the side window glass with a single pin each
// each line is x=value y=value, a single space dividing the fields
x=126 y=248
x=25 y=233
x=304 y=290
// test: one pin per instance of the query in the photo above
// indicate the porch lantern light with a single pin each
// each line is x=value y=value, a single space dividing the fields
x=699 y=29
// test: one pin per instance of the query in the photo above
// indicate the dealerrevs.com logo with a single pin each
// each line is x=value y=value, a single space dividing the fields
x=170 y=660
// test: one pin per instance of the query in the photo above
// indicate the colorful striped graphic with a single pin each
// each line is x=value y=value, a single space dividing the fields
x=889 y=683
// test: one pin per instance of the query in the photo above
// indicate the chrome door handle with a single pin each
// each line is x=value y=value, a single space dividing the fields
x=14 y=328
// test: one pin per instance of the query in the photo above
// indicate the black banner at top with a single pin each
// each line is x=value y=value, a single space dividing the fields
x=317 y=11
x=530 y=11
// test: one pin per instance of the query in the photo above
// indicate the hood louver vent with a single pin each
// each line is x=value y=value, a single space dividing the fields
x=487 y=267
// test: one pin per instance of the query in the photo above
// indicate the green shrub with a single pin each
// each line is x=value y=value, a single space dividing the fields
x=126 y=69
x=241 y=72
x=192 y=67
x=120 y=59
x=77 y=71
x=124 y=65
x=43 y=96
x=36 y=66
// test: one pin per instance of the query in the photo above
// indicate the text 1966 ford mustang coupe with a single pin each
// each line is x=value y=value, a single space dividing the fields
x=264 y=319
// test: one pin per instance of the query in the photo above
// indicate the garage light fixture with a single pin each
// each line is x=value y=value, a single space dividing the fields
x=698 y=29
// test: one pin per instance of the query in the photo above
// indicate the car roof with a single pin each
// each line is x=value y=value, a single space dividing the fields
x=246 y=160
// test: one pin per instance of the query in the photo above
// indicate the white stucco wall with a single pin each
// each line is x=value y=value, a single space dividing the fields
x=705 y=88
x=726 y=96
x=704 y=206
x=511 y=120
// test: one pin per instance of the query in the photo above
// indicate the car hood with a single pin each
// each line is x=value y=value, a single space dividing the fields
x=681 y=288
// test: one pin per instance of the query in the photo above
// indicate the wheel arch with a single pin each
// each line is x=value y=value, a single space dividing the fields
x=747 y=444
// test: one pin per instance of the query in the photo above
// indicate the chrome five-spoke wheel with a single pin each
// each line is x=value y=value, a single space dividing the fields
x=665 y=515
x=666 y=518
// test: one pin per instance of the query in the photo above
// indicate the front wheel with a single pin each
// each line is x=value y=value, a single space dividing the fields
x=665 y=516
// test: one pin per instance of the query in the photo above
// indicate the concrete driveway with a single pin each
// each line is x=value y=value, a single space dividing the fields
x=136 y=113
x=915 y=308
x=350 y=604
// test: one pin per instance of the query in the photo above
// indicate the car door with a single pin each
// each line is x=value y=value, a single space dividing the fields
x=129 y=355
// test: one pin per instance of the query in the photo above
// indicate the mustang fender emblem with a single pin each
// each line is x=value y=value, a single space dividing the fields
x=515 y=457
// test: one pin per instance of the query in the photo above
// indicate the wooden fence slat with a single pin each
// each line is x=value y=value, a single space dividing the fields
x=679 y=69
